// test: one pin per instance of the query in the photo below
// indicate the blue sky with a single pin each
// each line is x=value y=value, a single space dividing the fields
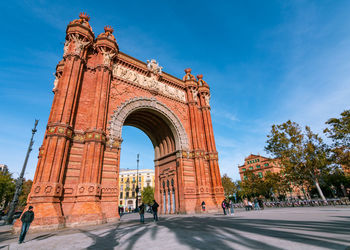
x=265 y=61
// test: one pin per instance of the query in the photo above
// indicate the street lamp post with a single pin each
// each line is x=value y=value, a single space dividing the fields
x=19 y=181
x=137 y=183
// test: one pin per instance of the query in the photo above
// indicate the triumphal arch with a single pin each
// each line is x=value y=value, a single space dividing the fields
x=99 y=89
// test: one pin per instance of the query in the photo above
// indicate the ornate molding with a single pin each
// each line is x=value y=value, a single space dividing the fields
x=59 y=130
x=148 y=82
x=119 y=116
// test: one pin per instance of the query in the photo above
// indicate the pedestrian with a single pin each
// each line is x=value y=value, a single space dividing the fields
x=155 y=210
x=232 y=211
x=256 y=204
x=223 y=205
x=245 y=201
x=26 y=219
x=261 y=203
x=142 y=213
x=227 y=205
x=250 y=206
x=203 y=206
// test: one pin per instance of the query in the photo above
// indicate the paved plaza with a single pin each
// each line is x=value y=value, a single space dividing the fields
x=281 y=228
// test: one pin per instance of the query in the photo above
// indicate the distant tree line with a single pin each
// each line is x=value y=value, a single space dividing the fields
x=309 y=163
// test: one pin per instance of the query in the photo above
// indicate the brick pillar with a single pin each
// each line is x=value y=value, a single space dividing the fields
x=211 y=155
x=202 y=187
x=87 y=209
x=48 y=181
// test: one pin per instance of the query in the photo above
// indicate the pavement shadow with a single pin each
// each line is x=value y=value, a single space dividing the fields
x=218 y=232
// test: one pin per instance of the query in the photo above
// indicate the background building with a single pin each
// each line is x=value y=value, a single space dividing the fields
x=127 y=186
x=260 y=165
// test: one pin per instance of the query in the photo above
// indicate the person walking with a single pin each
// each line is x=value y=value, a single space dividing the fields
x=261 y=203
x=250 y=206
x=203 y=206
x=155 y=210
x=256 y=204
x=26 y=219
x=245 y=201
x=227 y=204
x=142 y=213
x=223 y=205
x=232 y=211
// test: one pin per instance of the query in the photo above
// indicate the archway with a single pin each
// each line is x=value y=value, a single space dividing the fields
x=168 y=137
x=98 y=89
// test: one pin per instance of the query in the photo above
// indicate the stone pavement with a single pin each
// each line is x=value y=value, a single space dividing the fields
x=280 y=228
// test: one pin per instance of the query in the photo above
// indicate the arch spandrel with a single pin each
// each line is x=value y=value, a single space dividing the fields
x=126 y=108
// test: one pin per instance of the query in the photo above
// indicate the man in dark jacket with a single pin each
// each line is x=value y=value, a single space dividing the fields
x=155 y=210
x=26 y=219
x=142 y=213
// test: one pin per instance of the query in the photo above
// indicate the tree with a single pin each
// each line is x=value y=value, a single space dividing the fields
x=339 y=132
x=7 y=189
x=27 y=185
x=303 y=153
x=229 y=186
x=253 y=185
x=147 y=195
x=276 y=183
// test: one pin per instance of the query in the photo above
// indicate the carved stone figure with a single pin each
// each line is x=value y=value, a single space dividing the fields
x=65 y=48
x=154 y=67
x=55 y=83
x=79 y=43
x=207 y=99
x=194 y=94
x=107 y=56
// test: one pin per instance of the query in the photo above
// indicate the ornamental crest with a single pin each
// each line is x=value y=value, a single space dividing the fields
x=154 y=67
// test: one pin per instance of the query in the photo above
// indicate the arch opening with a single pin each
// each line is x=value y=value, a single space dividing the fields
x=167 y=135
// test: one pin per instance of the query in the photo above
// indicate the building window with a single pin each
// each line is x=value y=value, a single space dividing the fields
x=127 y=195
x=266 y=165
x=133 y=194
x=139 y=179
x=260 y=174
x=133 y=179
x=250 y=168
x=121 y=187
x=245 y=177
x=243 y=169
x=121 y=195
x=258 y=166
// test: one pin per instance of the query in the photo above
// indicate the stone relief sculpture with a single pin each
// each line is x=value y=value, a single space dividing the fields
x=65 y=48
x=154 y=67
x=55 y=83
x=107 y=56
x=79 y=43
x=207 y=99
x=148 y=82
x=195 y=94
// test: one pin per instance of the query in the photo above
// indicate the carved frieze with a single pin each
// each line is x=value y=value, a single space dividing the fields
x=149 y=82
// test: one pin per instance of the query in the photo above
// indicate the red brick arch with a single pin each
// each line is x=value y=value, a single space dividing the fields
x=97 y=91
